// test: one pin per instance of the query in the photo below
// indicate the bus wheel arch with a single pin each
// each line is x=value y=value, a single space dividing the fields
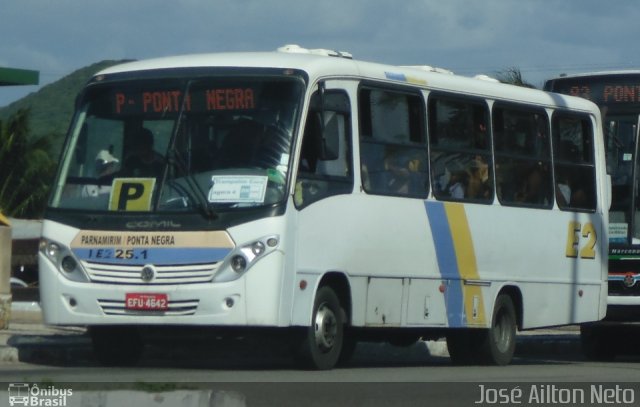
x=516 y=297
x=339 y=283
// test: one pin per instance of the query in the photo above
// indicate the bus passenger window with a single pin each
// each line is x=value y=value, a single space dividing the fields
x=523 y=156
x=393 y=154
x=574 y=165
x=324 y=169
x=461 y=164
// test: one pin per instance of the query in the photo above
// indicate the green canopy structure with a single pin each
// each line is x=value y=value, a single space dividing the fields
x=12 y=77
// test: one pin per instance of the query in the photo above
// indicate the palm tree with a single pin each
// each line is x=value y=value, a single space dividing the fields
x=513 y=76
x=26 y=168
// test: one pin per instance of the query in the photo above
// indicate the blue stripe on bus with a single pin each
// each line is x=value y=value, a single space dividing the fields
x=447 y=262
x=396 y=76
x=155 y=255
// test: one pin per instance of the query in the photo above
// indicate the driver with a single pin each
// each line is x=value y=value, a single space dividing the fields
x=144 y=161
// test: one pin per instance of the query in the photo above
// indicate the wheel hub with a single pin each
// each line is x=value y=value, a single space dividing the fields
x=326 y=327
x=502 y=333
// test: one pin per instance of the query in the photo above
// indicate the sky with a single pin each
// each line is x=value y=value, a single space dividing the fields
x=542 y=38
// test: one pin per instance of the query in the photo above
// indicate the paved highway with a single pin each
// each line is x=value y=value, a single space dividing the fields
x=379 y=375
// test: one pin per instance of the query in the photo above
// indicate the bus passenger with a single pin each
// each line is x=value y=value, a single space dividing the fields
x=532 y=191
x=478 y=178
x=403 y=172
x=452 y=183
x=456 y=187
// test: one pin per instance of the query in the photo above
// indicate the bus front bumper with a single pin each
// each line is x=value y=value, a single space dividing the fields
x=251 y=300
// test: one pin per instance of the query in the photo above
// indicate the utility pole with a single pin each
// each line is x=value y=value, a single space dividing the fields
x=5 y=272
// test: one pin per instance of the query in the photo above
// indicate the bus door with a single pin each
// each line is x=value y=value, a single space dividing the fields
x=621 y=136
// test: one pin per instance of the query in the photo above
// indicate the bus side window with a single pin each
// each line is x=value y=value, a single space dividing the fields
x=574 y=166
x=461 y=162
x=393 y=153
x=523 y=156
x=324 y=167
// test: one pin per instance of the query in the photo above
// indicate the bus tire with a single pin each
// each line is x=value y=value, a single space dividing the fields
x=116 y=345
x=595 y=344
x=498 y=343
x=321 y=344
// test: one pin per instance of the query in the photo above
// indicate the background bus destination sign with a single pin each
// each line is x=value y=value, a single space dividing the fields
x=170 y=101
x=612 y=91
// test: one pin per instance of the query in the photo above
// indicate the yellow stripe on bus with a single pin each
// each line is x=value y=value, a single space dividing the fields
x=466 y=260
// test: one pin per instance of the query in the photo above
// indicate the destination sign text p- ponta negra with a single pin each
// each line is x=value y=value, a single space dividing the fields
x=170 y=101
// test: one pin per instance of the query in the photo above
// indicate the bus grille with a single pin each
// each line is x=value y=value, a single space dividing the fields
x=617 y=288
x=118 y=274
x=176 y=308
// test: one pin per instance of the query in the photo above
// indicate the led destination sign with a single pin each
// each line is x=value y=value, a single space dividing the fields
x=623 y=89
x=607 y=93
x=170 y=101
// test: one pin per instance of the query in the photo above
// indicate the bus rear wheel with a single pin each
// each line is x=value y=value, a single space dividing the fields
x=322 y=342
x=498 y=343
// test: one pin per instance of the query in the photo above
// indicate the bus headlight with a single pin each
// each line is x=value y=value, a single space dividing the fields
x=63 y=260
x=53 y=250
x=50 y=249
x=257 y=248
x=68 y=264
x=244 y=257
x=238 y=263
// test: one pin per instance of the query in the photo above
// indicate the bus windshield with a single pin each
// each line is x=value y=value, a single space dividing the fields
x=180 y=145
x=620 y=136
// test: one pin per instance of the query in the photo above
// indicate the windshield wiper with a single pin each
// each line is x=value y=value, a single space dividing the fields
x=196 y=194
x=175 y=159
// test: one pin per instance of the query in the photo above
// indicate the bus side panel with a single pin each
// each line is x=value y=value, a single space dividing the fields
x=425 y=303
x=551 y=256
x=402 y=253
x=452 y=259
x=374 y=240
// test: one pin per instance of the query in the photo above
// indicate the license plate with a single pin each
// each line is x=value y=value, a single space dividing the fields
x=146 y=302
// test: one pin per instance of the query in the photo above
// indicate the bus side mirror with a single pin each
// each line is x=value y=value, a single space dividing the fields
x=327 y=107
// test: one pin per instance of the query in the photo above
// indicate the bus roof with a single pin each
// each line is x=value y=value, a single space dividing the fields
x=321 y=63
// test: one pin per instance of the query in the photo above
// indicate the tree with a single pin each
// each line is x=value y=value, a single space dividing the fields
x=513 y=76
x=26 y=168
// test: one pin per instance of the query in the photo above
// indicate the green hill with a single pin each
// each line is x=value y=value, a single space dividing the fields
x=51 y=108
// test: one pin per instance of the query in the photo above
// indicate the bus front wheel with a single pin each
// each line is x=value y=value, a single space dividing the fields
x=322 y=342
